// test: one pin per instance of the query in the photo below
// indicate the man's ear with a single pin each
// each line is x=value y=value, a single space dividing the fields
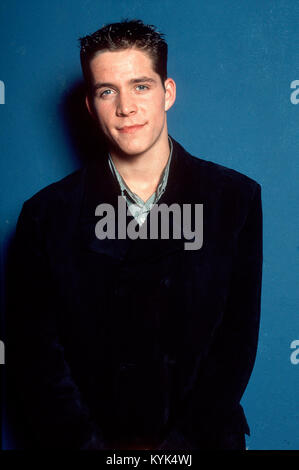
x=170 y=93
x=89 y=106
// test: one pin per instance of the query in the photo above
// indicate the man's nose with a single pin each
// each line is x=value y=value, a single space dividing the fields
x=125 y=105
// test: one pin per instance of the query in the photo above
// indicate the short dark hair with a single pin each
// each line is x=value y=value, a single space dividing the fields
x=125 y=35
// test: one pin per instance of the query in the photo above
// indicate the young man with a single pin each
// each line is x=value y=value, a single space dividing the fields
x=137 y=342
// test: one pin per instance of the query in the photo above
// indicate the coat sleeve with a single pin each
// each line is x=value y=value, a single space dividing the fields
x=36 y=364
x=214 y=404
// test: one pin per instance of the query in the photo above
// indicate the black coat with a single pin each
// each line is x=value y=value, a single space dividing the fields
x=131 y=343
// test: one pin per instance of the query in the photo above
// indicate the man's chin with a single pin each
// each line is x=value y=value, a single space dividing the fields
x=130 y=151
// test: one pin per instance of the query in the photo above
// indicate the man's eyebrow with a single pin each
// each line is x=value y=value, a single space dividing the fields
x=101 y=85
x=142 y=80
x=133 y=80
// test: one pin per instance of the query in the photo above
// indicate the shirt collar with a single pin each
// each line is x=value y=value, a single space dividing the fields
x=125 y=190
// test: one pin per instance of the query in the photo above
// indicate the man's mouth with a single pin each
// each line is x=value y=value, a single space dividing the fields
x=130 y=129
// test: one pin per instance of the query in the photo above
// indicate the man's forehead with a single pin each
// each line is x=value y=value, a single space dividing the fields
x=124 y=61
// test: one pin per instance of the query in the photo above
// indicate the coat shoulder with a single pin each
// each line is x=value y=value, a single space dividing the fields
x=223 y=176
x=57 y=194
x=215 y=176
x=216 y=184
x=218 y=179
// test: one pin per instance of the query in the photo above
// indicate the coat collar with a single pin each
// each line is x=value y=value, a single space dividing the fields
x=101 y=187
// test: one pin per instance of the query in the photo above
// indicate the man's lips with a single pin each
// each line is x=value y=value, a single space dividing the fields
x=130 y=129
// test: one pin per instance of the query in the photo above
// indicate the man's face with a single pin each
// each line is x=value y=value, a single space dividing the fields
x=129 y=101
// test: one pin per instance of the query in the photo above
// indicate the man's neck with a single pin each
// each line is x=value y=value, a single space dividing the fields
x=142 y=172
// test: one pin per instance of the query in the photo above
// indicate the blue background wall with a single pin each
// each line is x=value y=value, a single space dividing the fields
x=233 y=62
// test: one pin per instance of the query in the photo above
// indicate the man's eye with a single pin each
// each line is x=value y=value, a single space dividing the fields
x=142 y=87
x=106 y=93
